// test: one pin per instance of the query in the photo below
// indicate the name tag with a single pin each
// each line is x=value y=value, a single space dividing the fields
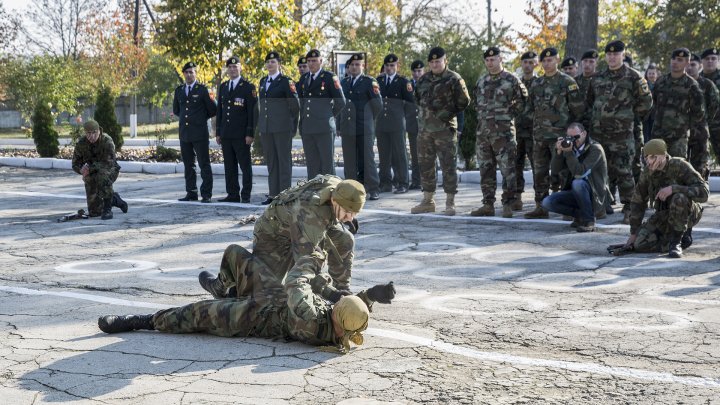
x=239 y=102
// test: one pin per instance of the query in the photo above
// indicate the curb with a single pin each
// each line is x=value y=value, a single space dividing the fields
x=472 y=177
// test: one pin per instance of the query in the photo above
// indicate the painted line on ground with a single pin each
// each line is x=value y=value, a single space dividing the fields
x=371 y=211
x=493 y=357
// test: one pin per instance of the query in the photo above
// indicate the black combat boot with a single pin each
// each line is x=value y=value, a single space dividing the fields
x=126 y=323
x=120 y=203
x=675 y=247
x=213 y=285
x=107 y=209
x=687 y=239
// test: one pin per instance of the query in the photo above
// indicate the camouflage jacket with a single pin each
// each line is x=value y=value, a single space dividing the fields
x=554 y=102
x=677 y=173
x=584 y=85
x=439 y=98
x=714 y=77
x=99 y=156
x=712 y=100
x=499 y=99
x=524 y=119
x=678 y=103
x=615 y=98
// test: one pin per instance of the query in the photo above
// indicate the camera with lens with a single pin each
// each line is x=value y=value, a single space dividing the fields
x=569 y=140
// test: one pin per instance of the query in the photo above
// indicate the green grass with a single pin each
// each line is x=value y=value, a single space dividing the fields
x=147 y=131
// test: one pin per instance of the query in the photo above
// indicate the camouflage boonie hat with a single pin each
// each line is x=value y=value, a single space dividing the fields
x=350 y=194
x=655 y=147
x=91 y=126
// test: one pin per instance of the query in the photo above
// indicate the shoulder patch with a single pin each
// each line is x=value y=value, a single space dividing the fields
x=573 y=87
x=644 y=88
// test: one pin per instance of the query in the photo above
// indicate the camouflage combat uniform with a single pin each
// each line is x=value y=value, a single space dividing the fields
x=299 y=230
x=499 y=100
x=104 y=170
x=554 y=102
x=584 y=85
x=714 y=122
x=524 y=138
x=698 y=155
x=678 y=104
x=439 y=98
x=616 y=98
x=674 y=215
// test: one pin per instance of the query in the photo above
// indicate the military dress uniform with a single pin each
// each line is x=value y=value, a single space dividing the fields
x=278 y=113
x=713 y=122
x=357 y=130
x=499 y=98
x=616 y=98
x=679 y=103
x=237 y=101
x=193 y=105
x=554 y=102
x=398 y=109
x=321 y=100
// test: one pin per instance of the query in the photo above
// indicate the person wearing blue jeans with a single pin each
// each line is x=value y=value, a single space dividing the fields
x=581 y=165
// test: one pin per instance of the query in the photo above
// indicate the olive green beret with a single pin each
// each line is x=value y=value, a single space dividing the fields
x=350 y=195
x=655 y=147
x=91 y=125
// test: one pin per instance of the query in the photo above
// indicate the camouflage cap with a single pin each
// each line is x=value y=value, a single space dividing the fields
x=352 y=314
x=709 y=51
x=417 y=64
x=91 y=126
x=350 y=194
x=655 y=147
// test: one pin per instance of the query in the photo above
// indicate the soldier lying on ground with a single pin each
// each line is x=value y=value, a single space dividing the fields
x=675 y=190
x=307 y=308
x=94 y=159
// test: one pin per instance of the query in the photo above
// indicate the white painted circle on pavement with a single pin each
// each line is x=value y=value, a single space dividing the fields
x=454 y=273
x=106 y=266
x=524 y=256
x=631 y=318
x=494 y=302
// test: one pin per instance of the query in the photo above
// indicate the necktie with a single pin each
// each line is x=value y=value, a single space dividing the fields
x=387 y=82
x=232 y=86
x=267 y=86
x=187 y=90
x=312 y=79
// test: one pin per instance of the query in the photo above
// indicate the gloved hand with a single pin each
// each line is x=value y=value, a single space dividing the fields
x=382 y=293
x=318 y=282
x=353 y=226
x=335 y=295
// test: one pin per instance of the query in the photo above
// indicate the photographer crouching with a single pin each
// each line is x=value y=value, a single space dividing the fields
x=580 y=164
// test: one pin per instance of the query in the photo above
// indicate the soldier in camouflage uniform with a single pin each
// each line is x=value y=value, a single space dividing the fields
x=588 y=61
x=569 y=66
x=523 y=127
x=636 y=165
x=679 y=102
x=554 y=100
x=499 y=98
x=675 y=190
x=440 y=95
x=94 y=159
x=698 y=154
x=616 y=96
x=710 y=71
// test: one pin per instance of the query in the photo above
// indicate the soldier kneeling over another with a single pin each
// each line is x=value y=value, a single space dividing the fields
x=94 y=159
x=675 y=190
x=580 y=164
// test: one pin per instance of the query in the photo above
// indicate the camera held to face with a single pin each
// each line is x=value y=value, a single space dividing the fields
x=569 y=140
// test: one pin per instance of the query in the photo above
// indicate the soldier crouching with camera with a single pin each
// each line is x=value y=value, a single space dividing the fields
x=580 y=164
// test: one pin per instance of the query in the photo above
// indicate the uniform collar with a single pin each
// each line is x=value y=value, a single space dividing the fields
x=275 y=76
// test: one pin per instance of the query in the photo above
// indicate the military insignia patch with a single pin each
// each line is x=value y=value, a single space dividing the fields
x=644 y=86
x=573 y=87
x=409 y=87
x=292 y=86
x=376 y=87
x=337 y=82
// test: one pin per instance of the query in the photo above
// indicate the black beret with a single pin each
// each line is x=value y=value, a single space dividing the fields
x=314 y=53
x=233 y=60
x=680 y=52
x=708 y=52
x=347 y=63
x=302 y=61
x=417 y=64
x=189 y=65
x=528 y=55
x=628 y=59
x=492 y=51
x=357 y=56
x=569 y=61
x=695 y=57
x=391 y=58
x=548 y=52
x=273 y=55
x=436 y=53
x=615 y=46
x=590 y=54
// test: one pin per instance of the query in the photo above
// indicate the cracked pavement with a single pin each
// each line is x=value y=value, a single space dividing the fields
x=488 y=310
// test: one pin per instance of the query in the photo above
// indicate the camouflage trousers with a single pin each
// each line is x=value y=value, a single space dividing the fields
x=639 y=143
x=620 y=150
x=524 y=150
x=496 y=149
x=543 y=181
x=225 y=317
x=715 y=142
x=275 y=251
x=250 y=276
x=681 y=214
x=698 y=155
x=443 y=145
x=99 y=186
